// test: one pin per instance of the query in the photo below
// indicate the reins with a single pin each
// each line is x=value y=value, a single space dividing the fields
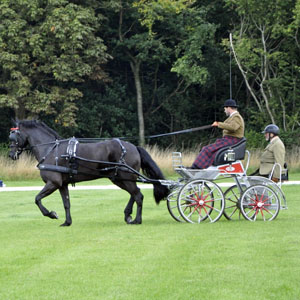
x=91 y=140
x=180 y=131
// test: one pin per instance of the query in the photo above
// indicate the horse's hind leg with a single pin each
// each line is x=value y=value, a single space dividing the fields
x=128 y=210
x=48 y=189
x=64 y=192
x=139 y=202
x=136 y=196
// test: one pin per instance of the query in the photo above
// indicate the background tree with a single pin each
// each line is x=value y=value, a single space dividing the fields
x=264 y=50
x=155 y=37
x=45 y=47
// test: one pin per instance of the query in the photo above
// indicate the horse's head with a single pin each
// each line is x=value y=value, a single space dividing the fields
x=18 y=143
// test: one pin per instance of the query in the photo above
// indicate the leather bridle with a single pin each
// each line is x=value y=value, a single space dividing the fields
x=18 y=142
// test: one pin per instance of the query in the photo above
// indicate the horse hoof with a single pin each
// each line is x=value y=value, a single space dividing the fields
x=65 y=224
x=53 y=215
x=135 y=222
x=129 y=220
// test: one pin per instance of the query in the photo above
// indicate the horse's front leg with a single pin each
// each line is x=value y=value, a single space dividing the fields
x=48 y=189
x=64 y=192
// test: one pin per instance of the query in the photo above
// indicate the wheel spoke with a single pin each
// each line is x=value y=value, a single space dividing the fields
x=233 y=212
x=233 y=201
x=204 y=208
x=192 y=212
x=255 y=215
x=268 y=211
x=262 y=214
x=210 y=218
x=235 y=195
x=232 y=204
x=252 y=210
x=200 y=216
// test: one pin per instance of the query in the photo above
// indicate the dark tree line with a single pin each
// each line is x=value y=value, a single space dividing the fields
x=136 y=68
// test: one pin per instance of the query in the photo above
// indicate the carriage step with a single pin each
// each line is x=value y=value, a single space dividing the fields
x=60 y=169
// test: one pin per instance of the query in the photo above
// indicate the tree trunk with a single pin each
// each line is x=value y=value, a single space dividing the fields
x=265 y=74
x=20 y=112
x=244 y=75
x=135 y=67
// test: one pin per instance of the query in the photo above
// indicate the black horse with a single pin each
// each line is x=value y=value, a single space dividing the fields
x=64 y=161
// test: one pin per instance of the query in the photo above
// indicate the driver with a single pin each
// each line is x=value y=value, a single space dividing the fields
x=233 y=131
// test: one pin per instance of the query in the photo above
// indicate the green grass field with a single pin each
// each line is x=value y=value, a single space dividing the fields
x=100 y=257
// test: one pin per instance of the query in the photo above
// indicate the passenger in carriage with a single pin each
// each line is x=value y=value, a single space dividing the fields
x=273 y=153
x=233 y=131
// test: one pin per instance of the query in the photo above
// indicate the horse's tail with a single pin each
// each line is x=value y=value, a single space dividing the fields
x=151 y=169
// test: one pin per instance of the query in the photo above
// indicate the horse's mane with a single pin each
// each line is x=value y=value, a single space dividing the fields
x=38 y=124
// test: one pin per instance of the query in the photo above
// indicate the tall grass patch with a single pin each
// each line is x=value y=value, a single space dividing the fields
x=163 y=158
x=25 y=167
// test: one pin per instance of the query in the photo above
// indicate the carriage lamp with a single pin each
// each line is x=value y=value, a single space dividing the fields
x=229 y=155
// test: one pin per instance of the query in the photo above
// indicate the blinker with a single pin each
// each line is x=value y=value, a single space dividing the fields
x=13 y=137
x=13 y=134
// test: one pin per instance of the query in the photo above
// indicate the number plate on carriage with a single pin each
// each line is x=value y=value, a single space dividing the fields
x=235 y=168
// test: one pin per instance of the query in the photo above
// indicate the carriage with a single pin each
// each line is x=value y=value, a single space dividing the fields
x=206 y=195
x=196 y=196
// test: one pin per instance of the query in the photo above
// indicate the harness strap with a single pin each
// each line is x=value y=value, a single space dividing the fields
x=57 y=142
x=121 y=160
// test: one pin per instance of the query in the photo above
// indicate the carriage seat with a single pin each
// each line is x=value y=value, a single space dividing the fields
x=239 y=150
